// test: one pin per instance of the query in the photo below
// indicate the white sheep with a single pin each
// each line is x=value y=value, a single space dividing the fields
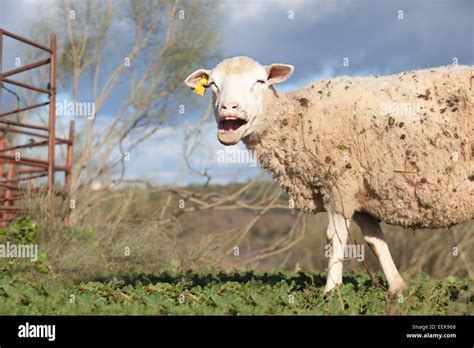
x=396 y=148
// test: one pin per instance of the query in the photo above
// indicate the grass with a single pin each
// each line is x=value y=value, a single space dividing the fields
x=244 y=293
x=83 y=271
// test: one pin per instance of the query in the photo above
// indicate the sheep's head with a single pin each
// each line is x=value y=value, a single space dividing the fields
x=239 y=87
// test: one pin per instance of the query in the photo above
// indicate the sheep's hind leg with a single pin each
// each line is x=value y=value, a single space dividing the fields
x=336 y=235
x=374 y=237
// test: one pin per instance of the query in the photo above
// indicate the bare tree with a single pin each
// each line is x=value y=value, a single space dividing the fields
x=128 y=58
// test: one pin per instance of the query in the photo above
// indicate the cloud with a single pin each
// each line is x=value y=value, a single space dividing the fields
x=161 y=159
x=369 y=33
x=245 y=12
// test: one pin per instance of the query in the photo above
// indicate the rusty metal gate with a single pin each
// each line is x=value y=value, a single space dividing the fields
x=15 y=169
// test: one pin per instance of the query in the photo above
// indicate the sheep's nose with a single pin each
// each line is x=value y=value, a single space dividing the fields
x=229 y=106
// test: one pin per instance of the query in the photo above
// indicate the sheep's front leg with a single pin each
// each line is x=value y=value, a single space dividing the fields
x=336 y=235
x=374 y=237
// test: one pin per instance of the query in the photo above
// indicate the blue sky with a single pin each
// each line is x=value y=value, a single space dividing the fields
x=315 y=40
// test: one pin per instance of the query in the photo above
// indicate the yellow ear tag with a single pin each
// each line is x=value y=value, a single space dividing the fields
x=199 y=88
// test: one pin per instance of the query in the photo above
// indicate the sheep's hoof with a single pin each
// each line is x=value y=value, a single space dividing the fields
x=330 y=288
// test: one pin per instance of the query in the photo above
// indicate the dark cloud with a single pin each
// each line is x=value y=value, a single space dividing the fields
x=367 y=32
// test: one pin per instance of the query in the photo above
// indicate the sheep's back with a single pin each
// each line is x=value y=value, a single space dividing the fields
x=408 y=139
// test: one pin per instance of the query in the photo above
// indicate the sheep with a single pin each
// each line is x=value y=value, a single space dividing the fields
x=397 y=149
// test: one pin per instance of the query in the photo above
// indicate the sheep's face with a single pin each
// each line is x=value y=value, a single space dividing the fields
x=239 y=87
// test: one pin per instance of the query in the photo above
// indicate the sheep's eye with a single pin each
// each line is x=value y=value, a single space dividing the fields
x=261 y=81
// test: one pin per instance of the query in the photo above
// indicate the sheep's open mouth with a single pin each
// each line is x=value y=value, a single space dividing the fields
x=230 y=130
x=231 y=124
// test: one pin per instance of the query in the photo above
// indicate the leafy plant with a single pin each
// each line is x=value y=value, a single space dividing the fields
x=22 y=231
x=246 y=293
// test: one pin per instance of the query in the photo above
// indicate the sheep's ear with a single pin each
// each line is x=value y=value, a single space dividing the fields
x=279 y=72
x=193 y=79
